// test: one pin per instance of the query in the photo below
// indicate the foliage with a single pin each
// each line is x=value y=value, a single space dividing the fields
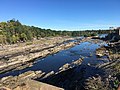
x=13 y=31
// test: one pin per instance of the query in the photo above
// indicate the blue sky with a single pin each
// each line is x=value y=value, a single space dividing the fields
x=63 y=14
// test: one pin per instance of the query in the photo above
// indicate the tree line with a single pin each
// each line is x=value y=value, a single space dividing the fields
x=13 y=31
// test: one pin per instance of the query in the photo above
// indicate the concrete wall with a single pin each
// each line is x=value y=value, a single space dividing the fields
x=35 y=85
x=118 y=31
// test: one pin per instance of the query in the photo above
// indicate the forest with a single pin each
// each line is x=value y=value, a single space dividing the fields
x=13 y=31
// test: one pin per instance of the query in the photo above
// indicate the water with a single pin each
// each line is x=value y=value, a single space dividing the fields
x=55 y=61
x=102 y=35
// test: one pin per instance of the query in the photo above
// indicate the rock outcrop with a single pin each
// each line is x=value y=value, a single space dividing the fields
x=33 y=85
x=14 y=81
x=23 y=60
x=71 y=65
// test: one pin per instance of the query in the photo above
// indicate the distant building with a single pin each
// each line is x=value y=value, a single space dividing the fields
x=114 y=34
x=117 y=31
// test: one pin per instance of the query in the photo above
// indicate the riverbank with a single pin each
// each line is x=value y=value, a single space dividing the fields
x=13 y=50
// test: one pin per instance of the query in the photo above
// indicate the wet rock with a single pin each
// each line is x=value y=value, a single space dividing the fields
x=71 y=65
x=100 y=51
x=77 y=62
x=64 y=67
x=48 y=74
x=31 y=74
x=82 y=57
x=38 y=72
x=100 y=55
x=95 y=84
x=88 y=64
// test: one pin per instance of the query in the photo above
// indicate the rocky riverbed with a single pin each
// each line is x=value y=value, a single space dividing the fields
x=105 y=76
x=19 y=61
x=13 y=81
x=77 y=75
x=26 y=60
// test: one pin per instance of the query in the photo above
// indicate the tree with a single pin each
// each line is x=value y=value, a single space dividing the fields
x=13 y=31
x=23 y=37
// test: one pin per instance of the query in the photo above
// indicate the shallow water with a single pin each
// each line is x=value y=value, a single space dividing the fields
x=55 y=61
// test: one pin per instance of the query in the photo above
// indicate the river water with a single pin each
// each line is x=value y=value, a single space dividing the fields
x=55 y=61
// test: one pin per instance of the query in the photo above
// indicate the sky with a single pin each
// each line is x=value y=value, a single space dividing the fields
x=63 y=14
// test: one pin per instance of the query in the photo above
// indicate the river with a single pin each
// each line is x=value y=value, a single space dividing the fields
x=55 y=61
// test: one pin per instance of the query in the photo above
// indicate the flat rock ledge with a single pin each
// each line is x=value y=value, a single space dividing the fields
x=33 y=85
x=23 y=60
x=71 y=65
x=14 y=81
